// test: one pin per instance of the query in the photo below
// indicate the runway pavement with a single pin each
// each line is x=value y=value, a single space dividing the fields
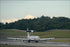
x=40 y=44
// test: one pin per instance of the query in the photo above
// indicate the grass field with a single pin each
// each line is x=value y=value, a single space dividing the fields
x=54 y=33
x=46 y=34
x=16 y=46
x=11 y=33
x=8 y=46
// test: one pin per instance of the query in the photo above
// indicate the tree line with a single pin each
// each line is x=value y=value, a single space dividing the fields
x=42 y=23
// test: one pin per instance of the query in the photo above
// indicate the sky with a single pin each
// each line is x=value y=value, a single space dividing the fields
x=13 y=10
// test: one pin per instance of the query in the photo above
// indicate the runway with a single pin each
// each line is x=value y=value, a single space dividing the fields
x=40 y=44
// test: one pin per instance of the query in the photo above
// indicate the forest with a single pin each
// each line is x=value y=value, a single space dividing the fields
x=42 y=23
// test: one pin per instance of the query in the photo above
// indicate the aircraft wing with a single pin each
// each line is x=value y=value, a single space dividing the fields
x=25 y=39
x=11 y=38
x=46 y=39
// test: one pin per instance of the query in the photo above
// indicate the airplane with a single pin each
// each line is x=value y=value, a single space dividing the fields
x=31 y=38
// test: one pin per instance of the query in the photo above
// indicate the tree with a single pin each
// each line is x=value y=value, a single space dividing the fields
x=39 y=24
x=1 y=25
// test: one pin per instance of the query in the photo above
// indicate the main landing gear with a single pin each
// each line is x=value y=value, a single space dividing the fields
x=36 y=41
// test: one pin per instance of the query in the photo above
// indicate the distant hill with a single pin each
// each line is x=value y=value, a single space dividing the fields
x=42 y=23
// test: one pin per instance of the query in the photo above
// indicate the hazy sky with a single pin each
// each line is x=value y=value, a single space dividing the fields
x=20 y=9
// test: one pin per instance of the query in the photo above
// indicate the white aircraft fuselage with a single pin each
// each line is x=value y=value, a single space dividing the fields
x=32 y=37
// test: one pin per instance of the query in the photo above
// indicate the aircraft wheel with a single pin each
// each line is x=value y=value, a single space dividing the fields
x=23 y=40
x=6 y=44
x=29 y=41
x=36 y=41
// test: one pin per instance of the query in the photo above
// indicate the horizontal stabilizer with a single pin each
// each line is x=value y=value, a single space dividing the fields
x=30 y=31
